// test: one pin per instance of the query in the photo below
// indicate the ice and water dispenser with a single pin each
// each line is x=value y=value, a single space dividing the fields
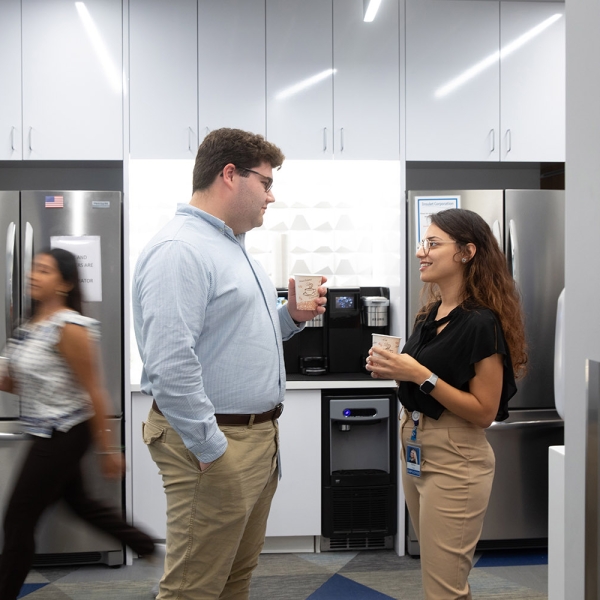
x=359 y=469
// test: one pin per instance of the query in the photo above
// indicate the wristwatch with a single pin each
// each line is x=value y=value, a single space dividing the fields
x=427 y=386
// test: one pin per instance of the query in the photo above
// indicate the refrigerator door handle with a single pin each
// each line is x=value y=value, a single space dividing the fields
x=11 y=237
x=13 y=437
x=499 y=426
x=497 y=231
x=513 y=250
x=27 y=265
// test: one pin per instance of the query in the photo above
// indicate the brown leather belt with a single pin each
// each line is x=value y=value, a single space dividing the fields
x=270 y=415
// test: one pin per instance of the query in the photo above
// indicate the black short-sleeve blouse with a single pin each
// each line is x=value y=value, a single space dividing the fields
x=471 y=335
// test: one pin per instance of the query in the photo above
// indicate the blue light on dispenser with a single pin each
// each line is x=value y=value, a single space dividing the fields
x=347 y=412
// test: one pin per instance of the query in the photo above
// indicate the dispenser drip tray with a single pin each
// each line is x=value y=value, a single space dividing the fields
x=359 y=477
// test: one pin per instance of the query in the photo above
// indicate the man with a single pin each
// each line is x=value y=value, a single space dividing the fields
x=210 y=335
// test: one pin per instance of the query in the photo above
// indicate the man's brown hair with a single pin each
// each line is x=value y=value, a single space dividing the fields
x=223 y=146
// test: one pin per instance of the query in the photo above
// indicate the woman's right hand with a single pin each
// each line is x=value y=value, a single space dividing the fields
x=6 y=384
x=113 y=465
x=390 y=365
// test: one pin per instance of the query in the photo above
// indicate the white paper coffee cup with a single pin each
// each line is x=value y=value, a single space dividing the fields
x=307 y=291
x=391 y=343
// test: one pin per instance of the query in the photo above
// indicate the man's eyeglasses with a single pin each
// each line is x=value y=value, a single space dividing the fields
x=266 y=181
x=428 y=244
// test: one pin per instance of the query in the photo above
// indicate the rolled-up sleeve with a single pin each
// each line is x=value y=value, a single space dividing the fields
x=172 y=288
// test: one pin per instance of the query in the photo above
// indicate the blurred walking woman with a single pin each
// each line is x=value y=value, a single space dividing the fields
x=54 y=369
x=456 y=375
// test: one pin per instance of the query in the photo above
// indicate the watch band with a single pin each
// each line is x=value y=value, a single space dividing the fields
x=429 y=384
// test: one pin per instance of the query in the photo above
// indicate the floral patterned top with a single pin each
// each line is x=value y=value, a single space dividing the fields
x=52 y=399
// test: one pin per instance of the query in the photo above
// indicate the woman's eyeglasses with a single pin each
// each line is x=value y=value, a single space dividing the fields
x=428 y=244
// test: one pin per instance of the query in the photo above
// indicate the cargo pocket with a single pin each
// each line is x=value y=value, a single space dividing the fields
x=151 y=433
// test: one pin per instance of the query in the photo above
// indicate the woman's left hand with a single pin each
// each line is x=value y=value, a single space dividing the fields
x=389 y=365
x=113 y=465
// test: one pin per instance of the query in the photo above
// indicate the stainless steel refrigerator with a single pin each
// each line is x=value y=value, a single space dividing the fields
x=89 y=225
x=529 y=226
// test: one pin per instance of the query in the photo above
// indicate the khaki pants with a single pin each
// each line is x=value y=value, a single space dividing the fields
x=447 y=503
x=216 y=520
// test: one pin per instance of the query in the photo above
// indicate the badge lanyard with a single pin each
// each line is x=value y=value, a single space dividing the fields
x=414 y=450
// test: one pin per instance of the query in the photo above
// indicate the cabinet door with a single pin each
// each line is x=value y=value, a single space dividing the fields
x=299 y=77
x=10 y=76
x=533 y=81
x=366 y=107
x=452 y=80
x=296 y=507
x=231 y=65
x=163 y=79
x=72 y=80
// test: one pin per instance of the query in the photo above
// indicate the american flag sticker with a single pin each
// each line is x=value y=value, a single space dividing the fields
x=54 y=202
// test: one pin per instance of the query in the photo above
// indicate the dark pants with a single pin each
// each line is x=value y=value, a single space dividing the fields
x=52 y=470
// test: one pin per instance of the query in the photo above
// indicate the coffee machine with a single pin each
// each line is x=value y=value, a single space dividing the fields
x=339 y=341
x=306 y=352
x=353 y=315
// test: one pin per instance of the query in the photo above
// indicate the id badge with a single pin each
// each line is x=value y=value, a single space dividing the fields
x=413 y=459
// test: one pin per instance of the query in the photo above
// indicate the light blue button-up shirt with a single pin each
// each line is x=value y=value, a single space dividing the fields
x=208 y=328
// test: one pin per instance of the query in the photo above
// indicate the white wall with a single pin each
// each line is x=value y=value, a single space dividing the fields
x=582 y=273
x=338 y=218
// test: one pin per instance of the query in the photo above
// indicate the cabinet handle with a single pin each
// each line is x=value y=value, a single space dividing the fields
x=31 y=139
x=190 y=138
x=324 y=139
x=342 y=139
x=493 y=138
x=12 y=139
x=509 y=140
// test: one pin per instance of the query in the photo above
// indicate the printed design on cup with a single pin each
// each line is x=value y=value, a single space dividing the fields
x=391 y=343
x=307 y=291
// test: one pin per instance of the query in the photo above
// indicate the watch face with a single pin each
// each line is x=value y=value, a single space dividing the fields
x=427 y=387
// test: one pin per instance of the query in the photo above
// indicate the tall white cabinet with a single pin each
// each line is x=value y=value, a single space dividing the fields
x=485 y=80
x=163 y=83
x=10 y=78
x=231 y=65
x=325 y=98
x=72 y=80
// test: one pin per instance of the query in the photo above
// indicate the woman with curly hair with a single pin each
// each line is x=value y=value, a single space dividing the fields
x=455 y=376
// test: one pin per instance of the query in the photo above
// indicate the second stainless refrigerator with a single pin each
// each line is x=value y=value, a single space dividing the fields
x=529 y=227
x=89 y=225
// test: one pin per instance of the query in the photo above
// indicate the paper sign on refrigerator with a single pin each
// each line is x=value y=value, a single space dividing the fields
x=87 y=250
x=428 y=205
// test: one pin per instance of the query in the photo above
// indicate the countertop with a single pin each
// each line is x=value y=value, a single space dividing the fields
x=327 y=382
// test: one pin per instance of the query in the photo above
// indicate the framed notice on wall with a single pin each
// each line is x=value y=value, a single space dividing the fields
x=428 y=205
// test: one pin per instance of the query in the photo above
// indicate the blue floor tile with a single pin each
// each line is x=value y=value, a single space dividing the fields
x=513 y=559
x=342 y=588
x=29 y=588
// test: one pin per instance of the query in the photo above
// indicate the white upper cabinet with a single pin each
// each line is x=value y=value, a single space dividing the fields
x=163 y=78
x=366 y=105
x=10 y=78
x=332 y=79
x=485 y=80
x=72 y=80
x=299 y=77
x=452 y=80
x=231 y=65
x=532 y=68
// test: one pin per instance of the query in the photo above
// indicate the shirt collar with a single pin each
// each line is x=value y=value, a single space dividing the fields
x=188 y=209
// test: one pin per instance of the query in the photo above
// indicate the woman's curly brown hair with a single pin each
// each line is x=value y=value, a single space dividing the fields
x=488 y=281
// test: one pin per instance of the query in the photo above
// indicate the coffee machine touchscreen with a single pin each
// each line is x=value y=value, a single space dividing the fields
x=347 y=302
